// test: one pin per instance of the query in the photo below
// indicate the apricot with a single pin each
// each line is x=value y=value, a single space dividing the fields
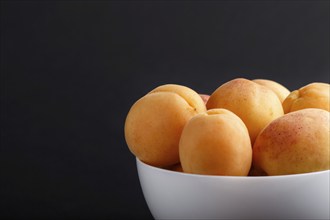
x=281 y=91
x=176 y=167
x=154 y=123
x=205 y=97
x=313 y=95
x=297 y=142
x=255 y=171
x=256 y=105
x=215 y=142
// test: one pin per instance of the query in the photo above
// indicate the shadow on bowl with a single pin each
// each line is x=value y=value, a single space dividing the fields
x=177 y=195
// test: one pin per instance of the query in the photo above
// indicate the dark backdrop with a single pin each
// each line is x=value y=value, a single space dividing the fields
x=71 y=70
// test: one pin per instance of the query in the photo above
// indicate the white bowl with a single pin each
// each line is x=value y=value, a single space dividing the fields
x=177 y=195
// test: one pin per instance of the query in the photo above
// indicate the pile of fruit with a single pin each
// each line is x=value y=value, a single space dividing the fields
x=245 y=127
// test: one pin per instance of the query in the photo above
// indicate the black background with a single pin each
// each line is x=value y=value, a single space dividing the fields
x=70 y=70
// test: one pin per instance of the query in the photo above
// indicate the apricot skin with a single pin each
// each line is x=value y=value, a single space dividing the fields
x=281 y=91
x=216 y=143
x=154 y=123
x=256 y=105
x=205 y=97
x=297 y=142
x=313 y=95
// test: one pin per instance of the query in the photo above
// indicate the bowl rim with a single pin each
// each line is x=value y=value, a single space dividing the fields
x=172 y=172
